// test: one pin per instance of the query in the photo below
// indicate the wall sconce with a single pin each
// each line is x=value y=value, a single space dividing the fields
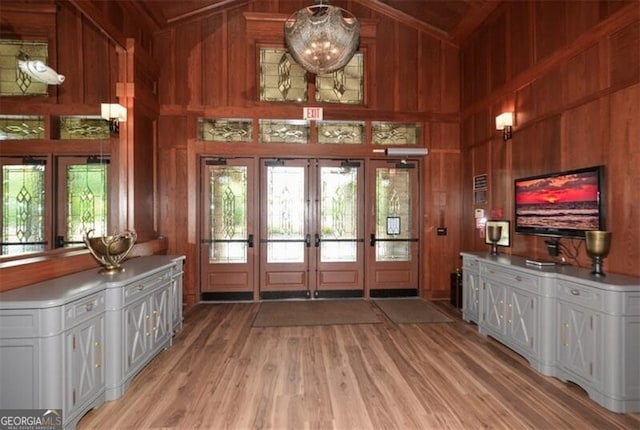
x=115 y=114
x=504 y=122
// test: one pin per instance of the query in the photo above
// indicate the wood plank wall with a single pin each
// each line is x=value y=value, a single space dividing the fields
x=570 y=71
x=208 y=67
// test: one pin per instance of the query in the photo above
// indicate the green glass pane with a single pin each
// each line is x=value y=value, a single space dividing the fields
x=20 y=127
x=281 y=78
x=338 y=213
x=285 y=213
x=84 y=127
x=340 y=132
x=228 y=214
x=393 y=206
x=394 y=133
x=225 y=130
x=87 y=201
x=23 y=209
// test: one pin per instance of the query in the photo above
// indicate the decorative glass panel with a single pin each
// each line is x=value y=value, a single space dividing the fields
x=340 y=132
x=19 y=127
x=228 y=214
x=285 y=214
x=394 y=133
x=345 y=86
x=339 y=214
x=283 y=131
x=393 y=214
x=23 y=208
x=225 y=130
x=84 y=127
x=281 y=78
x=87 y=199
x=13 y=81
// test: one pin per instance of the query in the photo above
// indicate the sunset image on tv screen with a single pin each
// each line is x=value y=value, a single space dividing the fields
x=560 y=202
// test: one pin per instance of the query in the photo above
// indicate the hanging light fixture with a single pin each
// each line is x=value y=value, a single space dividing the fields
x=322 y=38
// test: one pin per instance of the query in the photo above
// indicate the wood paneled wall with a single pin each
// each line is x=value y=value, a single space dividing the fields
x=209 y=67
x=570 y=71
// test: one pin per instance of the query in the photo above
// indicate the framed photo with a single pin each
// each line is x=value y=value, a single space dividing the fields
x=504 y=238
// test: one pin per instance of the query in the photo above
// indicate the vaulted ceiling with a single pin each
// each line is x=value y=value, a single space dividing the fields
x=452 y=20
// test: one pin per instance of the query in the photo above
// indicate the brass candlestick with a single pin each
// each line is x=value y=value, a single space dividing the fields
x=494 y=233
x=598 y=243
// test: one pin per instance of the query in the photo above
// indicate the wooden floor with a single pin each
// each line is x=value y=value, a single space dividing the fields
x=223 y=374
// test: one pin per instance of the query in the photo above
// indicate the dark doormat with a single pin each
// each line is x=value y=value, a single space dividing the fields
x=411 y=310
x=315 y=312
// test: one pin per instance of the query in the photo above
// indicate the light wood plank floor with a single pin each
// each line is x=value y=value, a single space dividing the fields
x=223 y=374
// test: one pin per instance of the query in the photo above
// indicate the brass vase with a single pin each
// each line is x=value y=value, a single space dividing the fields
x=598 y=243
x=110 y=251
x=494 y=233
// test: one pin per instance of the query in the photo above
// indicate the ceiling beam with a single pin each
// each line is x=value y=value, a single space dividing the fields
x=207 y=10
x=408 y=20
x=478 y=12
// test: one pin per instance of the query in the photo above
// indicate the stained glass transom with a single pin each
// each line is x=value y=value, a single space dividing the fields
x=281 y=78
x=84 y=127
x=13 y=81
x=394 y=133
x=23 y=208
x=284 y=131
x=393 y=199
x=87 y=200
x=340 y=132
x=345 y=86
x=228 y=214
x=18 y=127
x=225 y=130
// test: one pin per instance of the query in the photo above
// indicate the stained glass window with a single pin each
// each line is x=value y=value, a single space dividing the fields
x=395 y=133
x=87 y=201
x=281 y=78
x=13 y=81
x=345 y=86
x=284 y=131
x=225 y=130
x=84 y=127
x=340 y=132
x=21 y=127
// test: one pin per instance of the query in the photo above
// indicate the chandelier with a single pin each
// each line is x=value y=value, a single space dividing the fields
x=322 y=38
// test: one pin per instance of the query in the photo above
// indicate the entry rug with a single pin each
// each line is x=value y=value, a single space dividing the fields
x=315 y=312
x=411 y=311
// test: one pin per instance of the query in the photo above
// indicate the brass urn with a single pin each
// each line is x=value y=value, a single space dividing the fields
x=494 y=233
x=110 y=251
x=598 y=243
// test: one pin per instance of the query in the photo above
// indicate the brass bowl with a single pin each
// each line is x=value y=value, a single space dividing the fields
x=110 y=251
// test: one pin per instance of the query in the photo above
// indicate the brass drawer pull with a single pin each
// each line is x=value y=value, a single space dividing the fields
x=575 y=292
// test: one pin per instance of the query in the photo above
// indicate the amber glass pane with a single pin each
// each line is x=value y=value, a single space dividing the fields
x=228 y=214
x=393 y=214
x=18 y=127
x=285 y=214
x=87 y=199
x=281 y=78
x=394 y=133
x=23 y=208
x=13 y=81
x=225 y=130
x=338 y=213
x=343 y=86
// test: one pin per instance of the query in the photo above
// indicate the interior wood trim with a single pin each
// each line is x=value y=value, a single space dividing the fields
x=101 y=22
x=472 y=20
x=206 y=11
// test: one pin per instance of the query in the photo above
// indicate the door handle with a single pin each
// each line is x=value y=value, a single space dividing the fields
x=317 y=240
x=372 y=240
x=250 y=241
x=307 y=240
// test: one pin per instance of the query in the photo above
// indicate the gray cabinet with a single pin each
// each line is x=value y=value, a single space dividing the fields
x=470 y=290
x=566 y=323
x=63 y=341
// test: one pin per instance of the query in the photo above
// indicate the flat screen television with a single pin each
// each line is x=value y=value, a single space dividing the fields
x=560 y=204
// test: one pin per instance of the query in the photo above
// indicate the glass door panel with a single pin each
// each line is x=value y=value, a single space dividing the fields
x=392 y=262
x=227 y=244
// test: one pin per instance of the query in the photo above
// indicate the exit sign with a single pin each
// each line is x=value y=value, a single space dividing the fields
x=312 y=113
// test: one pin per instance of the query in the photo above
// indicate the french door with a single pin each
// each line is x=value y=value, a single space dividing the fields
x=229 y=221
x=312 y=228
x=393 y=251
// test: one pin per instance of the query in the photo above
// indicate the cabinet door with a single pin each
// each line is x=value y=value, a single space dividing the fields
x=137 y=334
x=471 y=296
x=578 y=337
x=85 y=344
x=160 y=318
x=494 y=306
x=521 y=318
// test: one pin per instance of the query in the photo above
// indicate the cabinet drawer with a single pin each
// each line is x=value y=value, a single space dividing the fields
x=579 y=294
x=470 y=264
x=513 y=278
x=83 y=309
x=143 y=286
